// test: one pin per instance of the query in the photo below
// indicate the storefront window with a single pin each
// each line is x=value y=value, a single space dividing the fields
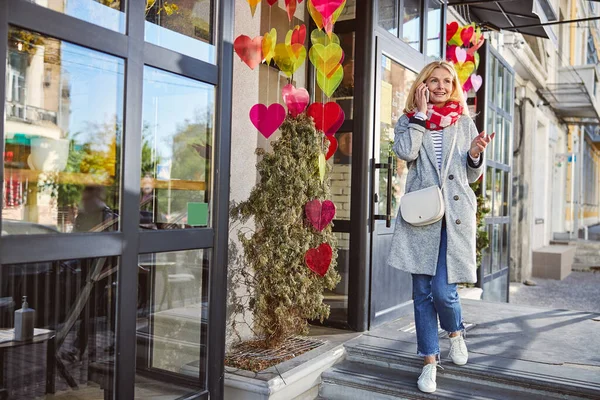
x=105 y=13
x=172 y=320
x=73 y=307
x=186 y=27
x=388 y=16
x=63 y=128
x=177 y=135
x=411 y=23
x=434 y=29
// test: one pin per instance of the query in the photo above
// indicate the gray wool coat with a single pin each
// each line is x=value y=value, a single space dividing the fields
x=415 y=249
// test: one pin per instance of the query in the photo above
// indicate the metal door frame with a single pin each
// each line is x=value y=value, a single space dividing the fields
x=129 y=242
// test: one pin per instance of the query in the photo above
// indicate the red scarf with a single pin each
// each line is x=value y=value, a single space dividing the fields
x=441 y=117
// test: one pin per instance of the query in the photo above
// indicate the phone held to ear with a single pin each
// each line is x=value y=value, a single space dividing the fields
x=427 y=95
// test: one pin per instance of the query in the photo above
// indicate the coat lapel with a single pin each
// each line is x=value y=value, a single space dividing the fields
x=430 y=150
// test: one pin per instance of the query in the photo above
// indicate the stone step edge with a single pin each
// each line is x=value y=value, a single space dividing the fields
x=370 y=381
x=403 y=361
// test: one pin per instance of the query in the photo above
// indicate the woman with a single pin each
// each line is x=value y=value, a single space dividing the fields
x=441 y=254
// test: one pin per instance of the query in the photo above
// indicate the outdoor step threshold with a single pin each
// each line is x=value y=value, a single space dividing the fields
x=516 y=374
x=355 y=381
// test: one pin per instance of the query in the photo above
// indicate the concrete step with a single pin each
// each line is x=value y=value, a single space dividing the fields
x=356 y=381
x=588 y=252
x=588 y=244
x=587 y=260
x=551 y=381
x=584 y=267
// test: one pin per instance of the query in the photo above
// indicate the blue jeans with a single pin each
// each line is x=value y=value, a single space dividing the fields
x=433 y=296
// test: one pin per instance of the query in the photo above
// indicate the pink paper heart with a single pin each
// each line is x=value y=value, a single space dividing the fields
x=320 y=214
x=467 y=86
x=296 y=100
x=267 y=120
x=460 y=54
x=326 y=7
x=476 y=81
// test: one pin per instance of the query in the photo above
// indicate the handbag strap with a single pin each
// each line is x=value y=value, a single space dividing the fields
x=449 y=160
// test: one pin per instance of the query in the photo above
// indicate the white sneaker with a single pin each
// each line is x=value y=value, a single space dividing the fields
x=426 y=382
x=458 y=350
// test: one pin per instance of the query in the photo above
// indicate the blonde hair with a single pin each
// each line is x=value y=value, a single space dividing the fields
x=457 y=92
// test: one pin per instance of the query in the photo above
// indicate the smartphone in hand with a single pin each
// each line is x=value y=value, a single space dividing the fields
x=427 y=95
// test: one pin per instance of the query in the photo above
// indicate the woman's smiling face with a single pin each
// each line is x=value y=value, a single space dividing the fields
x=440 y=87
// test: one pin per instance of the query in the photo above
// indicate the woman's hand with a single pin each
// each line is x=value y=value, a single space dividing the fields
x=420 y=98
x=479 y=144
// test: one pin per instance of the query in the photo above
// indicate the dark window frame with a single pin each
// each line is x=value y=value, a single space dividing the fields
x=130 y=242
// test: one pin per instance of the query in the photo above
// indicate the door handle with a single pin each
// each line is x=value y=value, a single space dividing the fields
x=387 y=217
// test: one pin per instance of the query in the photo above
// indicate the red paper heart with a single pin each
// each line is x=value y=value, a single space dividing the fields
x=290 y=6
x=271 y=2
x=466 y=34
x=333 y=145
x=451 y=30
x=249 y=50
x=327 y=7
x=267 y=120
x=319 y=214
x=296 y=100
x=299 y=35
x=319 y=259
x=328 y=118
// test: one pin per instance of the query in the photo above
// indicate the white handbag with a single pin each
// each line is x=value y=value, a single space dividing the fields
x=426 y=206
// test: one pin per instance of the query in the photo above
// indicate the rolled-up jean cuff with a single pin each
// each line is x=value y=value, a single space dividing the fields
x=420 y=354
x=461 y=328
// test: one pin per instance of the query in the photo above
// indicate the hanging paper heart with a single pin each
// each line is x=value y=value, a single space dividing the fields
x=466 y=34
x=296 y=100
x=319 y=214
x=290 y=6
x=289 y=58
x=296 y=35
x=271 y=2
x=333 y=145
x=451 y=29
x=318 y=18
x=268 y=45
x=476 y=58
x=319 y=259
x=461 y=55
x=267 y=120
x=464 y=70
x=322 y=167
x=473 y=49
x=476 y=81
x=253 y=4
x=326 y=8
x=320 y=37
x=249 y=50
x=328 y=118
x=467 y=85
x=329 y=84
x=326 y=58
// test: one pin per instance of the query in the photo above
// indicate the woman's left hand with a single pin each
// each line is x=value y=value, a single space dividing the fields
x=479 y=144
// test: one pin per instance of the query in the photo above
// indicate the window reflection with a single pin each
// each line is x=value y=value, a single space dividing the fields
x=434 y=29
x=177 y=136
x=388 y=16
x=64 y=113
x=106 y=13
x=184 y=26
x=411 y=23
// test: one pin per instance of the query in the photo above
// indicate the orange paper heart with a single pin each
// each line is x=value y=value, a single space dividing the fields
x=249 y=50
x=268 y=45
x=253 y=4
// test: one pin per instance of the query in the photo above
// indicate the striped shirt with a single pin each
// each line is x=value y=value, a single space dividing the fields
x=438 y=139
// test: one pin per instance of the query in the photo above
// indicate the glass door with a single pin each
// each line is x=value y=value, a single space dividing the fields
x=391 y=289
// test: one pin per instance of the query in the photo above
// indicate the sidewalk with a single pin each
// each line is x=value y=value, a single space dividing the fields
x=524 y=352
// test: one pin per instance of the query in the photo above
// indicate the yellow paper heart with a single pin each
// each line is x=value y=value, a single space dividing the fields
x=464 y=70
x=328 y=84
x=268 y=45
x=326 y=58
x=289 y=58
x=320 y=37
x=253 y=4
x=322 y=167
